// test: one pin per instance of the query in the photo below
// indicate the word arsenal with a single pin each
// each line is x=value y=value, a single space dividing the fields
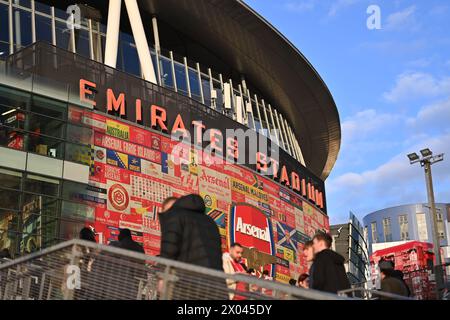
x=116 y=104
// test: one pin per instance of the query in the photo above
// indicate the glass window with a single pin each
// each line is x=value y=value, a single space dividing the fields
x=373 y=227
x=77 y=134
x=41 y=185
x=43 y=29
x=9 y=199
x=195 y=86
x=440 y=224
x=41 y=125
x=9 y=224
x=77 y=211
x=49 y=107
x=4 y=31
x=219 y=96
x=11 y=98
x=128 y=59
x=180 y=74
x=82 y=42
x=206 y=90
x=42 y=7
x=403 y=223
x=387 y=229
x=422 y=226
x=10 y=179
x=46 y=146
x=166 y=73
x=22 y=28
x=62 y=35
x=62 y=14
x=78 y=153
x=38 y=204
x=74 y=191
x=23 y=3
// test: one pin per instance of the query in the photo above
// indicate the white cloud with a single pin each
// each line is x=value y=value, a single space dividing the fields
x=300 y=5
x=394 y=182
x=404 y=19
x=338 y=5
x=395 y=47
x=434 y=116
x=412 y=85
x=365 y=122
x=419 y=63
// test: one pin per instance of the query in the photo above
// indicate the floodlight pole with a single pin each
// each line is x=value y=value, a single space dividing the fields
x=438 y=272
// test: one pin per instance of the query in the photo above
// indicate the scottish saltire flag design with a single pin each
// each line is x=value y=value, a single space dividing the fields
x=287 y=236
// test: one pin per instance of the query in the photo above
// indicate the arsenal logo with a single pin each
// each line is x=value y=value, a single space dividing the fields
x=156 y=143
x=118 y=197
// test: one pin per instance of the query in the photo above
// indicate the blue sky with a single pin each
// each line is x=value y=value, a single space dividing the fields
x=392 y=89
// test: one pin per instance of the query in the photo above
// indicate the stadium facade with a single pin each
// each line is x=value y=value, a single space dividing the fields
x=92 y=95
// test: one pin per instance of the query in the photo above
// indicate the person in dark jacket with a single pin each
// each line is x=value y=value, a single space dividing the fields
x=390 y=282
x=329 y=272
x=189 y=235
x=127 y=242
x=87 y=234
x=400 y=276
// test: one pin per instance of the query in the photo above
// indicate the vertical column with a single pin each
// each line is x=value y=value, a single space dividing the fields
x=200 y=82
x=273 y=124
x=91 y=40
x=174 y=75
x=227 y=96
x=239 y=110
x=258 y=113
x=17 y=29
x=33 y=22
x=112 y=33
x=222 y=92
x=213 y=92
x=157 y=48
x=156 y=35
x=186 y=71
x=294 y=149
x=10 y=28
x=52 y=10
x=249 y=109
x=279 y=127
x=233 y=101
x=266 y=118
x=72 y=35
x=99 y=57
x=141 y=41
x=288 y=147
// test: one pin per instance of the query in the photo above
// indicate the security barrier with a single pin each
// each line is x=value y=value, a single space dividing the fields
x=81 y=270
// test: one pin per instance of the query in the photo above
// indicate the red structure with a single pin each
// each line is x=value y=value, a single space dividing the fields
x=415 y=260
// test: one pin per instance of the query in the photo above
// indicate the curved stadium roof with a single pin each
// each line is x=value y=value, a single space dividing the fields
x=253 y=47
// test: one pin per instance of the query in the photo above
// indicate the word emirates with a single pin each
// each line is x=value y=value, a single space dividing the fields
x=266 y=165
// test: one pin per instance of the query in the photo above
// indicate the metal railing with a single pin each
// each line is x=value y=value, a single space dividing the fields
x=369 y=294
x=79 y=270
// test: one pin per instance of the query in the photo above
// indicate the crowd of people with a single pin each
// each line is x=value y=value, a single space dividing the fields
x=189 y=235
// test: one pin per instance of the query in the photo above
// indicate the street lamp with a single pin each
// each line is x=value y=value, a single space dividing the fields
x=426 y=161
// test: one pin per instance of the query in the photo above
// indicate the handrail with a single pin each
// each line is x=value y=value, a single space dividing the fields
x=374 y=292
x=287 y=290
